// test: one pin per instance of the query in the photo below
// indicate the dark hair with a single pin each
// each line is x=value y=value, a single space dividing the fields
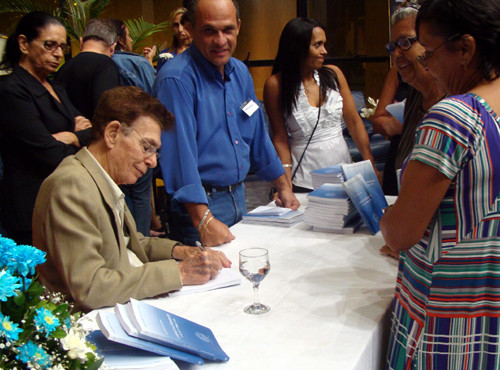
x=190 y=15
x=477 y=18
x=293 y=50
x=101 y=30
x=30 y=26
x=126 y=104
x=121 y=34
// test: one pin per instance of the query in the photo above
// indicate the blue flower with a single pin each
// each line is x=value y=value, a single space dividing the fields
x=8 y=285
x=35 y=354
x=46 y=321
x=8 y=329
x=23 y=259
x=6 y=245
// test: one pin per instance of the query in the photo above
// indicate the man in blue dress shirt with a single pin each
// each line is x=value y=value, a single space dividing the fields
x=219 y=132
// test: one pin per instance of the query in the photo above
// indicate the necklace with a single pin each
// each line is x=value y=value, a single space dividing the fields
x=308 y=89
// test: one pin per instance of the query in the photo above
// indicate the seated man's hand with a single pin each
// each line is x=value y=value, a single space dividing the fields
x=215 y=233
x=200 y=266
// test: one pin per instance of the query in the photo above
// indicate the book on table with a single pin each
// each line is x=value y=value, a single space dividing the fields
x=331 y=175
x=330 y=209
x=162 y=327
x=111 y=327
x=119 y=356
x=274 y=216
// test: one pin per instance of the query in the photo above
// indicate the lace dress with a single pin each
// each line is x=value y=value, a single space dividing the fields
x=327 y=146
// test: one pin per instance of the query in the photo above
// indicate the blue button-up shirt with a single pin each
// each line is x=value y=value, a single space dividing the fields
x=214 y=142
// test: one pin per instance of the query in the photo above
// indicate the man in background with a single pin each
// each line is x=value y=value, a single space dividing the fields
x=92 y=71
x=220 y=131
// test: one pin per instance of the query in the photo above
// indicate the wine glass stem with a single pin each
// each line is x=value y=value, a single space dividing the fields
x=256 y=294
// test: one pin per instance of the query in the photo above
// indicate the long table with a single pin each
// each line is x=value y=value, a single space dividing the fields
x=329 y=295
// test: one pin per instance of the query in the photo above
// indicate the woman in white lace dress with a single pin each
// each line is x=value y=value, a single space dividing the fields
x=292 y=99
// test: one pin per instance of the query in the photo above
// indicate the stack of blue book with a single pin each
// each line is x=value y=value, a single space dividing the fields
x=144 y=327
x=330 y=209
x=331 y=175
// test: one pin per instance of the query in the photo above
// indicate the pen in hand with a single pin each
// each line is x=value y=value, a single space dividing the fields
x=199 y=245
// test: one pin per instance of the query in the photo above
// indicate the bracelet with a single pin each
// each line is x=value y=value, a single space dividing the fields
x=285 y=165
x=203 y=219
x=205 y=226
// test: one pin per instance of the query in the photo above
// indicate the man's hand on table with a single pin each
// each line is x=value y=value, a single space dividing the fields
x=198 y=267
x=287 y=199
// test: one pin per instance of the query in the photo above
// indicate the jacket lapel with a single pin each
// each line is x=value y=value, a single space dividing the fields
x=89 y=163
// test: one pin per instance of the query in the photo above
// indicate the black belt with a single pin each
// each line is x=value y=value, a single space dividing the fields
x=216 y=188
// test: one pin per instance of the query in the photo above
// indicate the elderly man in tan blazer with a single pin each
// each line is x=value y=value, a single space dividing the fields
x=94 y=254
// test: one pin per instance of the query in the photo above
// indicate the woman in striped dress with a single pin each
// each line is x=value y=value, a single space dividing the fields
x=446 y=219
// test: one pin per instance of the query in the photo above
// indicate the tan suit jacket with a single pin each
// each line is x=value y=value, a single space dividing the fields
x=74 y=222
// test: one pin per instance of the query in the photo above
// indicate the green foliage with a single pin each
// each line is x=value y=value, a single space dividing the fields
x=75 y=15
x=140 y=29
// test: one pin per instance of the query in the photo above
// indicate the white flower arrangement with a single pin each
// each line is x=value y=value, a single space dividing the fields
x=367 y=112
x=166 y=56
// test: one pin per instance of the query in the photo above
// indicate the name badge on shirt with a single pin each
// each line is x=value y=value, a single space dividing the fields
x=249 y=107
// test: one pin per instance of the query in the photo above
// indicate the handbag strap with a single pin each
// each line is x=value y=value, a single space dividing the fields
x=312 y=133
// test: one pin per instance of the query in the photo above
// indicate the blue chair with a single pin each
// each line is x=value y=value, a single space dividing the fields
x=378 y=144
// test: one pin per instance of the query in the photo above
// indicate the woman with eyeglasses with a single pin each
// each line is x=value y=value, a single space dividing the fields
x=446 y=220
x=424 y=91
x=307 y=100
x=38 y=125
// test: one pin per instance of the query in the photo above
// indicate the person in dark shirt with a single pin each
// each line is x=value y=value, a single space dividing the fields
x=38 y=126
x=92 y=71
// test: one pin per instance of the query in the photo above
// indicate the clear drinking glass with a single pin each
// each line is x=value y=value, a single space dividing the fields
x=254 y=265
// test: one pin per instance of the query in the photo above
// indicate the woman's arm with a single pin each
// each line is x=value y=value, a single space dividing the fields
x=272 y=98
x=422 y=190
x=384 y=123
x=353 y=120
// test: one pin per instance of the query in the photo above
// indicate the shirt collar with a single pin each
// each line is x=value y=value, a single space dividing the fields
x=208 y=67
x=115 y=191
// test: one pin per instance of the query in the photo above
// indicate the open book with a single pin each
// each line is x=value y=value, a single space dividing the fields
x=226 y=277
x=369 y=210
x=365 y=168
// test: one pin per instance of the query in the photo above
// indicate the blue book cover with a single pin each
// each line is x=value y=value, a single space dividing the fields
x=329 y=194
x=113 y=331
x=120 y=356
x=335 y=170
x=358 y=192
x=365 y=168
x=160 y=326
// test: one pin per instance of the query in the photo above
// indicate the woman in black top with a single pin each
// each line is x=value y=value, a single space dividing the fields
x=38 y=126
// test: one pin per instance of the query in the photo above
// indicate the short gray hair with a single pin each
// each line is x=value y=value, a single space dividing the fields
x=407 y=10
x=101 y=30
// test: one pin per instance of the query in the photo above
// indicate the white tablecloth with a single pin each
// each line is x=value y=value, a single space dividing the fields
x=329 y=296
